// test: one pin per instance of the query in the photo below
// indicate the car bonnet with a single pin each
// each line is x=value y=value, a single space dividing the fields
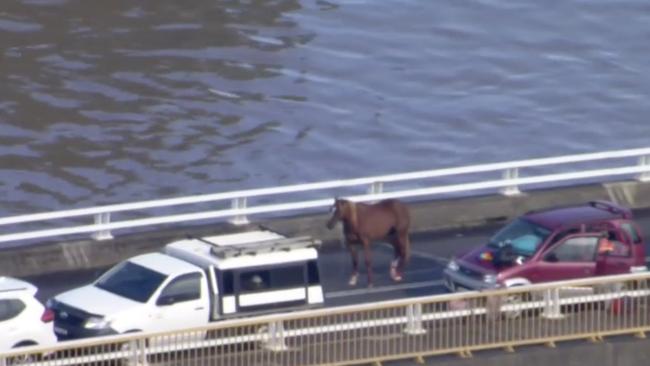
x=94 y=300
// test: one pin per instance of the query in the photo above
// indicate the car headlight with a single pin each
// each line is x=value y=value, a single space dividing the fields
x=452 y=265
x=490 y=278
x=97 y=323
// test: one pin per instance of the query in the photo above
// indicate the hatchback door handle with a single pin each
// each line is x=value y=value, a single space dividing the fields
x=199 y=308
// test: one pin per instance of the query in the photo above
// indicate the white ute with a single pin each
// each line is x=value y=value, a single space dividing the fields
x=192 y=282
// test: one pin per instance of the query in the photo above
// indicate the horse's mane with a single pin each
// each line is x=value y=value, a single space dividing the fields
x=354 y=219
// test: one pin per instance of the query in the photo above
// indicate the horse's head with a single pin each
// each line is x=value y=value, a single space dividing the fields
x=339 y=211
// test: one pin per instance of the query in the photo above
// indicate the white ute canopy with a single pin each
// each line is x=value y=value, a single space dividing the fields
x=249 y=249
x=255 y=271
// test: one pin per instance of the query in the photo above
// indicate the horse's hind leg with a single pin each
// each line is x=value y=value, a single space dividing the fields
x=395 y=264
x=355 y=266
x=366 y=252
x=403 y=241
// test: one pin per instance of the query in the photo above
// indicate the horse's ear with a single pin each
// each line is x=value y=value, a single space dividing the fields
x=334 y=204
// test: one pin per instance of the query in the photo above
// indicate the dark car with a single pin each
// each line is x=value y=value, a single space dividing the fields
x=560 y=243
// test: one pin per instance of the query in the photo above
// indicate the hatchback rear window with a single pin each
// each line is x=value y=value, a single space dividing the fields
x=10 y=308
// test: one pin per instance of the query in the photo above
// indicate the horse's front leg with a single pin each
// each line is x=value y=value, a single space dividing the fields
x=366 y=252
x=355 y=265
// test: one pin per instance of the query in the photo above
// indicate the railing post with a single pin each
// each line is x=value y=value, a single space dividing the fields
x=552 y=306
x=275 y=341
x=100 y=219
x=644 y=161
x=512 y=173
x=137 y=353
x=239 y=203
x=3 y=361
x=414 y=320
x=376 y=188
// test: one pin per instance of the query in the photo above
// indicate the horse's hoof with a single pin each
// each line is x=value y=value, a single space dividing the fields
x=352 y=281
x=397 y=278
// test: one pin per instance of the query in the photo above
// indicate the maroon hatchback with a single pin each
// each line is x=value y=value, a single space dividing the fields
x=561 y=243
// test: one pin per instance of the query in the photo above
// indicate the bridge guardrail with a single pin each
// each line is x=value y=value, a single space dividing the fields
x=509 y=184
x=460 y=323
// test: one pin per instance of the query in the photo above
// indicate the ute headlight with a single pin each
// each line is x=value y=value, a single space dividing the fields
x=96 y=322
x=452 y=265
x=490 y=278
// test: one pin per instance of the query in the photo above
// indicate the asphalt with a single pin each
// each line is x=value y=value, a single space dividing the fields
x=423 y=276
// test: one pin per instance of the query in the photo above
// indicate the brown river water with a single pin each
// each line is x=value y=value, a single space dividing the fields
x=116 y=101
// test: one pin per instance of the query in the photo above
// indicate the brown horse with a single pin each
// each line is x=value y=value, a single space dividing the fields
x=365 y=223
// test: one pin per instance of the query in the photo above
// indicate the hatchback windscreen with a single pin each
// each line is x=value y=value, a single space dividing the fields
x=131 y=281
x=523 y=236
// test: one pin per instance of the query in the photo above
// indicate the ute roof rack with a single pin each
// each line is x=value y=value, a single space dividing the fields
x=265 y=246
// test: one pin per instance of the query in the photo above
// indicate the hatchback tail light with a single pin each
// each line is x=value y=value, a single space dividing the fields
x=48 y=315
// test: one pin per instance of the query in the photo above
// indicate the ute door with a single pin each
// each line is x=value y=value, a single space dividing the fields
x=182 y=303
x=572 y=257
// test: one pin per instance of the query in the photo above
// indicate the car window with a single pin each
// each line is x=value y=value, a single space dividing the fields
x=576 y=249
x=631 y=232
x=524 y=236
x=184 y=288
x=10 y=308
x=132 y=281
x=564 y=233
x=618 y=249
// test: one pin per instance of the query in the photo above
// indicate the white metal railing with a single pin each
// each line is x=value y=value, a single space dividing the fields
x=287 y=196
x=370 y=333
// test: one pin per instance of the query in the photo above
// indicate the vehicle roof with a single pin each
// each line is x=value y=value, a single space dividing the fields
x=12 y=285
x=163 y=263
x=200 y=250
x=245 y=237
x=555 y=217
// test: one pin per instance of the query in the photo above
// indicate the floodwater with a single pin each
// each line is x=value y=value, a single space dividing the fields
x=116 y=101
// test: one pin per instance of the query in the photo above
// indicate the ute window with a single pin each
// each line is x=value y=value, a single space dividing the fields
x=576 y=249
x=228 y=283
x=313 y=277
x=274 y=278
x=132 y=281
x=184 y=288
x=522 y=235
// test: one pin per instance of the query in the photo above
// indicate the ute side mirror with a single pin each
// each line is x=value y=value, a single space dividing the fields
x=551 y=257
